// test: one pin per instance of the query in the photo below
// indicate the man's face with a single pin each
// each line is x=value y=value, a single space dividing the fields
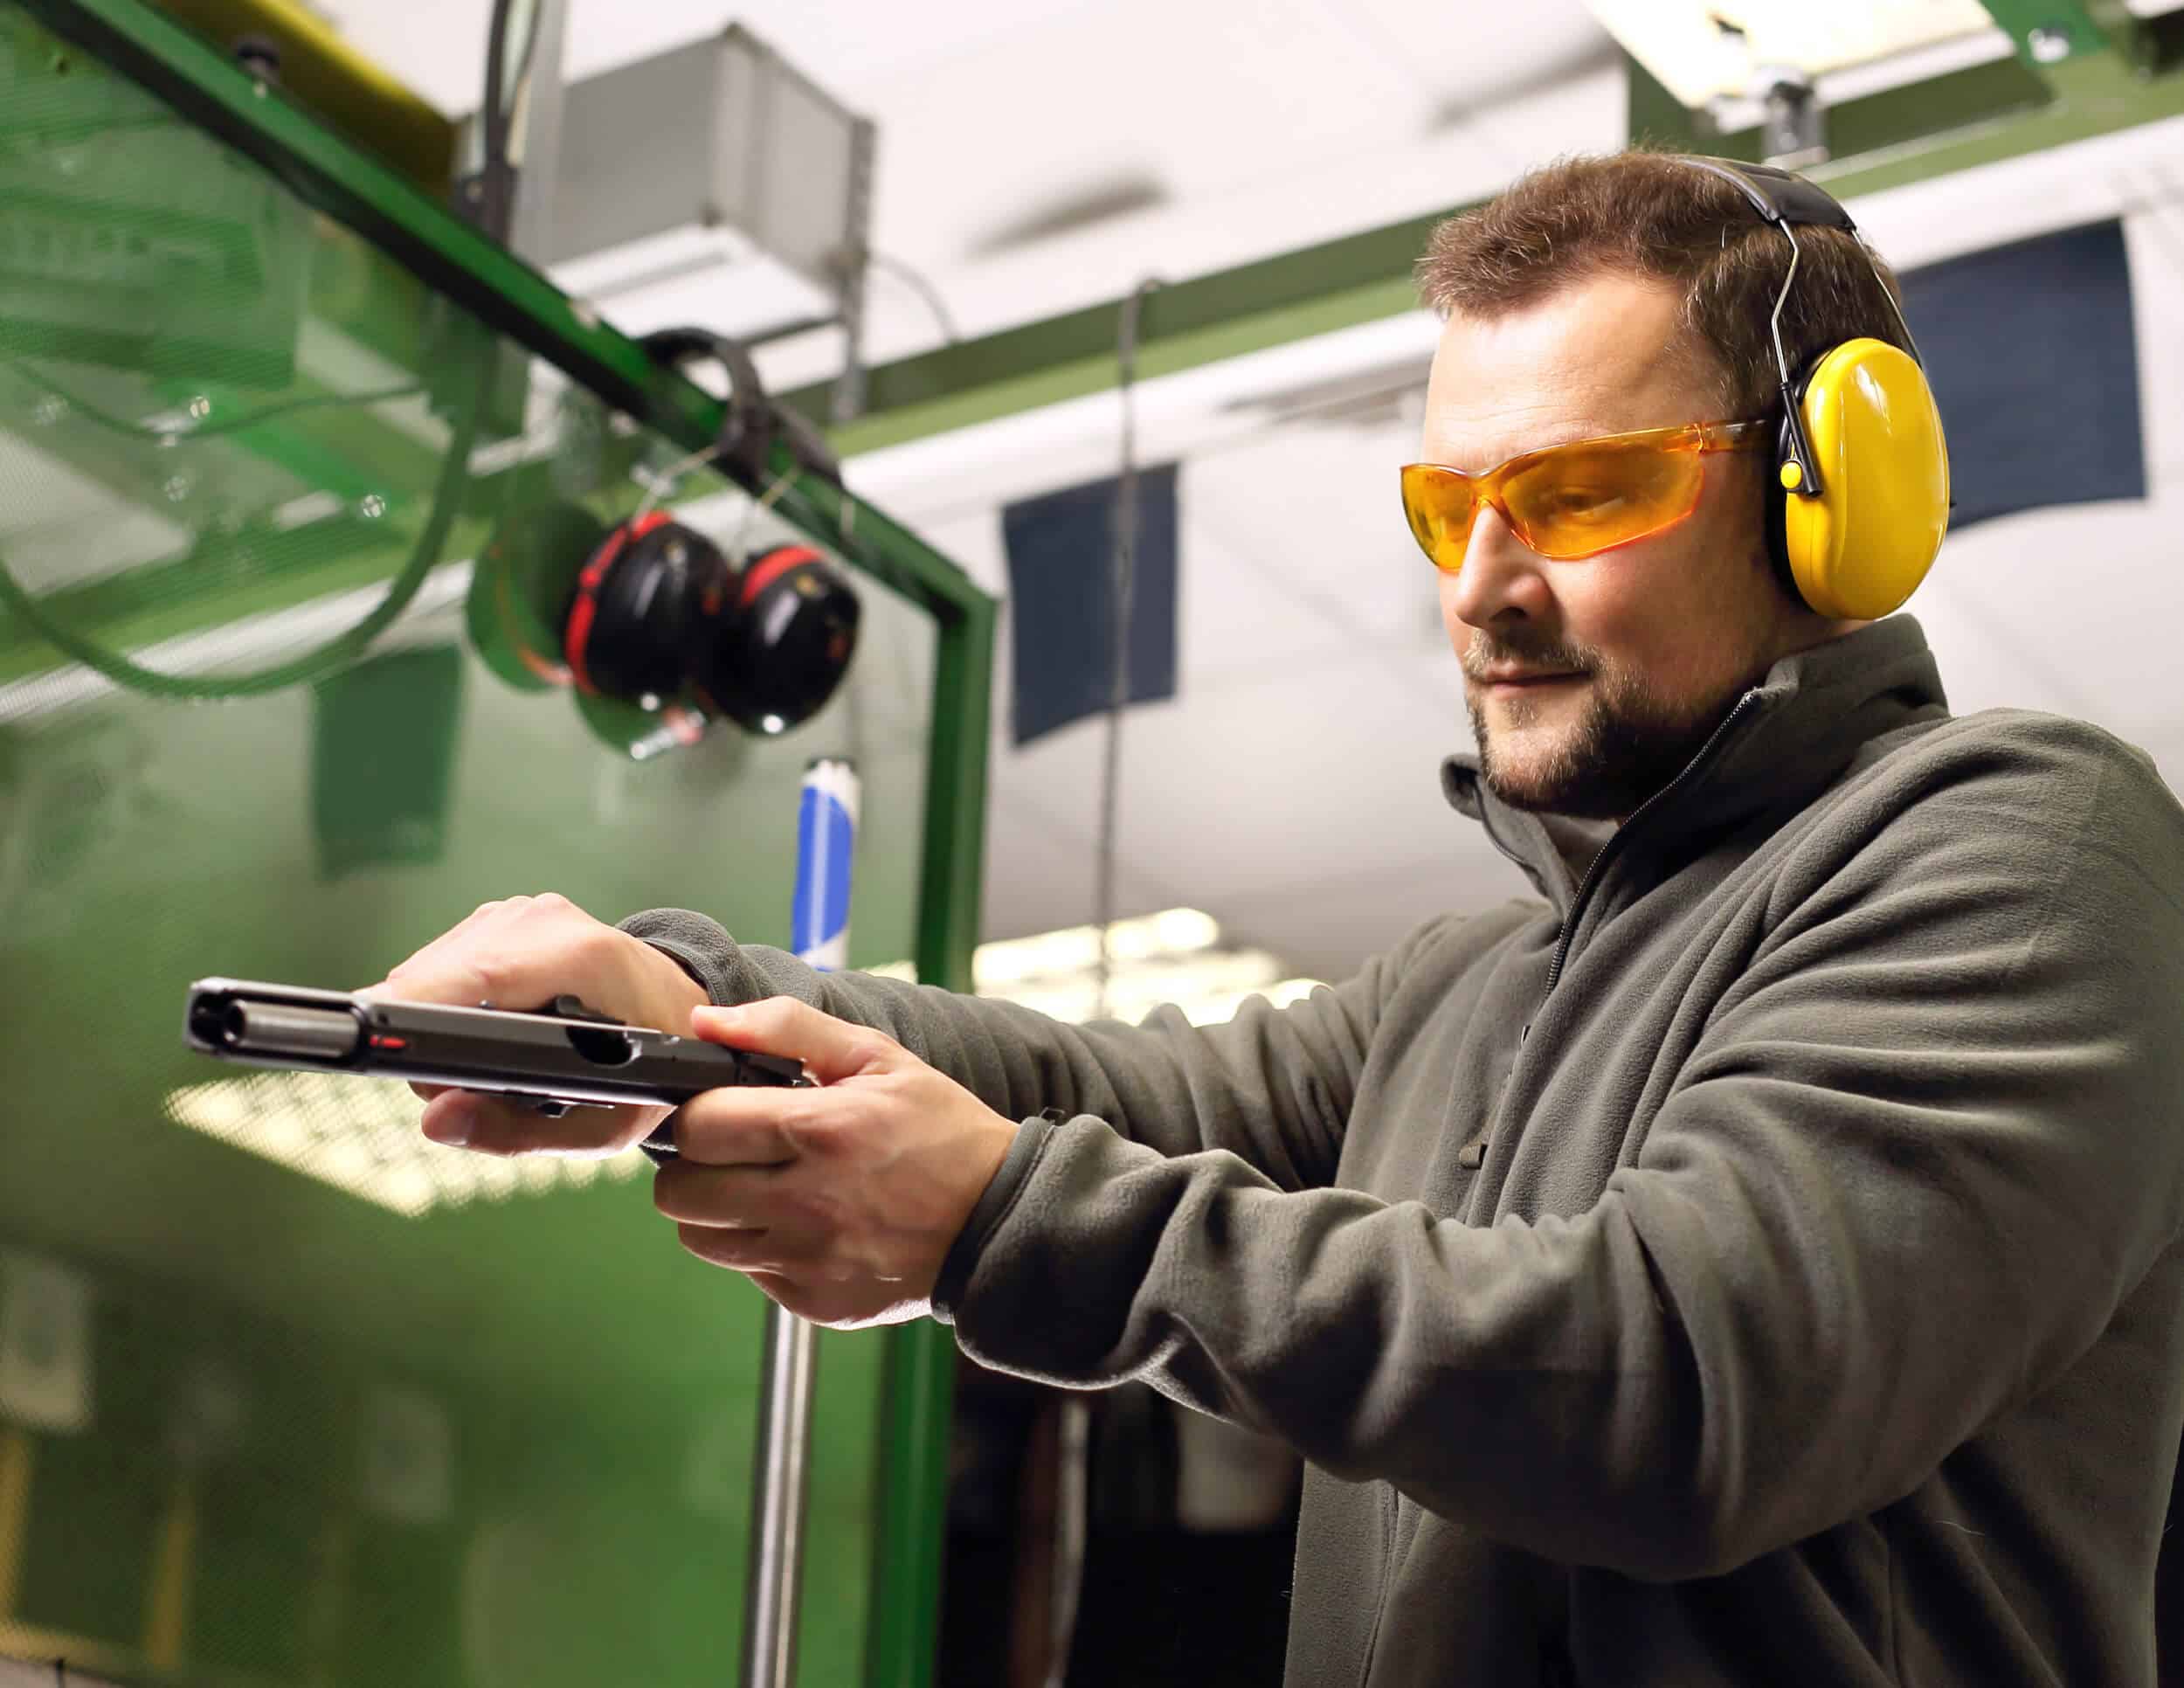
x=1659 y=636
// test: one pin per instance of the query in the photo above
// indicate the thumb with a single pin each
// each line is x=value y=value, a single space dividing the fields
x=831 y=1049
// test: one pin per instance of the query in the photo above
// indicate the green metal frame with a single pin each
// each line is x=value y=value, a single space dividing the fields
x=1979 y=115
x=2071 y=20
x=450 y=257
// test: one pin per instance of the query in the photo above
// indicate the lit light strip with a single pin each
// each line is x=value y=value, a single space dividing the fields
x=1145 y=938
x=1166 y=958
x=1689 y=51
x=361 y=1135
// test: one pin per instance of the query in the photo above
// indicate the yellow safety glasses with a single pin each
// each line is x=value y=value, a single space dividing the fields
x=1574 y=500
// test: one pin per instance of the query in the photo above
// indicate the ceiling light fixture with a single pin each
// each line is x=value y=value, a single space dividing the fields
x=1169 y=958
x=1703 y=50
x=361 y=1135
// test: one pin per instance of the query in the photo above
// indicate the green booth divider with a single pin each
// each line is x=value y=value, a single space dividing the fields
x=288 y=1395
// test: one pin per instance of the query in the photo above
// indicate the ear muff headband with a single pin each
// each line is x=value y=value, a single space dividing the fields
x=751 y=422
x=1863 y=463
x=770 y=568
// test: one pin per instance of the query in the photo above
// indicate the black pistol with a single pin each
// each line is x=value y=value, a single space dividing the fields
x=554 y=1057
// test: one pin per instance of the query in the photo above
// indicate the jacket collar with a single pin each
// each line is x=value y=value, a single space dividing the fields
x=1786 y=740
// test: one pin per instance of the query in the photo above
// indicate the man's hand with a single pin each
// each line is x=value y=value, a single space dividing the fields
x=519 y=954
x=840 y=1202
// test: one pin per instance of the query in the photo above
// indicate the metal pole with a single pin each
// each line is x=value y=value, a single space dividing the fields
x=777 y=1513
x=819 y=925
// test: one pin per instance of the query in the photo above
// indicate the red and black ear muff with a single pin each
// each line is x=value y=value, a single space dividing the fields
x=648 y=621
x=778 y=654
x=630 y=618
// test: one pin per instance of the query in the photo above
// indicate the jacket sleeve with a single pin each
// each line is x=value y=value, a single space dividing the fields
x=1272 y=1088
x=1923 y=1150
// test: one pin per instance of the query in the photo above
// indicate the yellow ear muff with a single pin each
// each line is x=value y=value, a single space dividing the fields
x=1861 y=548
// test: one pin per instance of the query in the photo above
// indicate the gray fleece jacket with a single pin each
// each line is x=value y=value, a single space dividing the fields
x=1756 y=1263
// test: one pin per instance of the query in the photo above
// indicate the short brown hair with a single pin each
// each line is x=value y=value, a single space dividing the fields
x=1643 y=213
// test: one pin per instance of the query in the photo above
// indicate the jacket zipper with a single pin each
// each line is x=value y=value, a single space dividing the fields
x=1600 y=862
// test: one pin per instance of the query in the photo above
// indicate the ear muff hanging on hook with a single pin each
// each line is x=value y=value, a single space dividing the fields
x=653 y=627
x=774 y=656
x=1861 y=470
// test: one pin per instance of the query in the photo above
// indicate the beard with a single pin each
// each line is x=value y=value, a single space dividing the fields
x=1623 y=743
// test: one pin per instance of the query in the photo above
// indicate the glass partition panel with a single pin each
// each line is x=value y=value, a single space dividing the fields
x=289 y=1396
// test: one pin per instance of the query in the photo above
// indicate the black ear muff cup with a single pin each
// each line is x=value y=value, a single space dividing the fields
x=520 y=587
x=632 y=619
x=778 y=651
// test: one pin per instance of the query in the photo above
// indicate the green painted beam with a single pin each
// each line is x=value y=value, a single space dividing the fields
x=2048 y=32
x=1980 y=115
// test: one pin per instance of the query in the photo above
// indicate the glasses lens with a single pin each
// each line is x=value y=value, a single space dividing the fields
x=1439 y=505
x=1576 y=501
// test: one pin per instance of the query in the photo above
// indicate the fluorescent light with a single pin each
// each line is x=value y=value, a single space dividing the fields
x=1203 y=1002
x=1698 y=60
x=361 y=1135
x=1160 y=959
x=1171 y=932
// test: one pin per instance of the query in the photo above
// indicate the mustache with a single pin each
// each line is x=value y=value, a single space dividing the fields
x=1477 y=661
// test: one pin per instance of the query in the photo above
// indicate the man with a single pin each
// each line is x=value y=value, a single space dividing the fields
x=1753 y=1261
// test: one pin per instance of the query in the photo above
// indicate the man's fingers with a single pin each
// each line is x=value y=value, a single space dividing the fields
x=720 y=1198
x=755 y=1252
x=831 y=1049
x=742 y=1127
x=417 y=977
x=471 y=1119
x=518 y=953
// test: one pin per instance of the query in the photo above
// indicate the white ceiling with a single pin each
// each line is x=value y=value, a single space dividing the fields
x=1250 y=126
x=1290 y=788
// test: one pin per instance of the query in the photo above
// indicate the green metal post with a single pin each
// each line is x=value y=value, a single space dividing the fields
x=919 y=1391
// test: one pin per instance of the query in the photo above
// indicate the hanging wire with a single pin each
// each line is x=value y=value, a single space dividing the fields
x=923 y=288
x=1125 y=574
x=657 y=486
x=782 y=482
x=1072 y=1484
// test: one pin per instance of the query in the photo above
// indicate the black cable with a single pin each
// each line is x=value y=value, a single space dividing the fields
x=208 y=430
x=496 y=134
x=924 y=288
x=503 y=80
x=492 y=211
